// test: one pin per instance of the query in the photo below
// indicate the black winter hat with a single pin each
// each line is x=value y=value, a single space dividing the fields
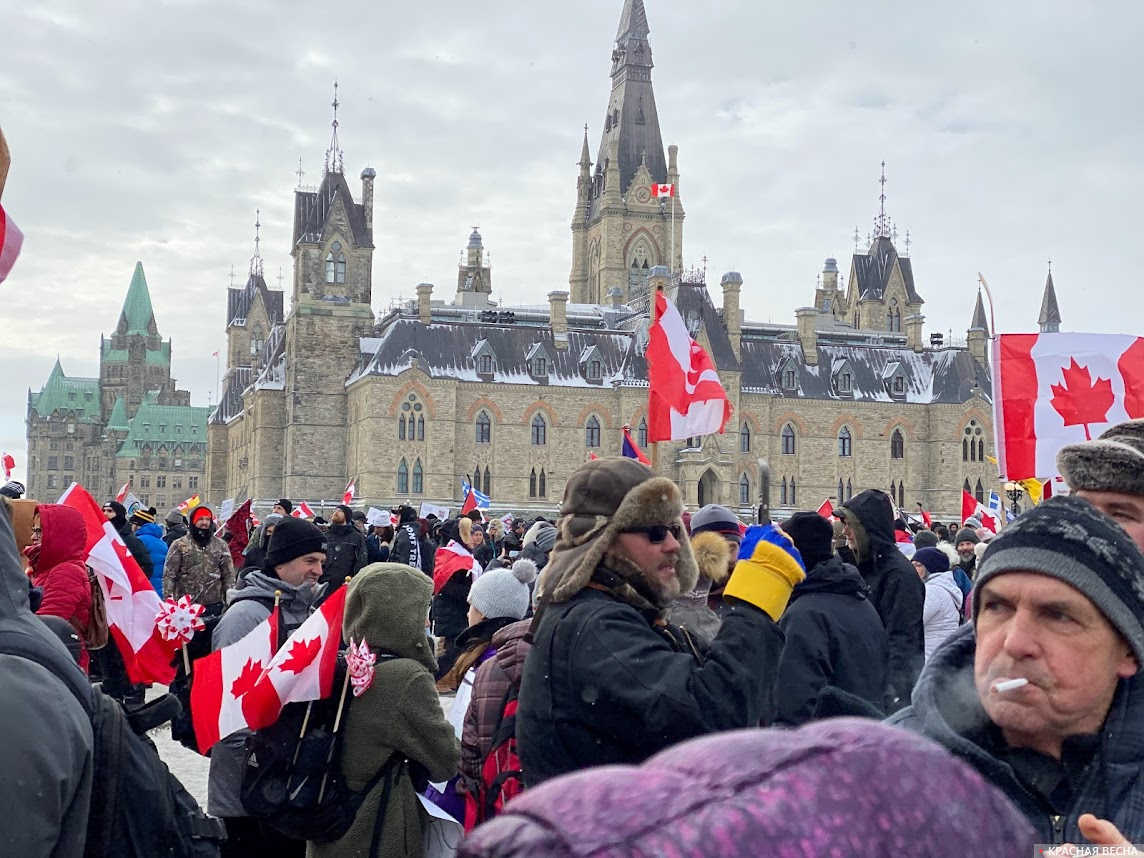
x=346 y=512
x=292 y=538
x=934 y=559
x=812 y=535
x=1069 y=539
x=925 y=539
x=286 y=505
x=406 y=514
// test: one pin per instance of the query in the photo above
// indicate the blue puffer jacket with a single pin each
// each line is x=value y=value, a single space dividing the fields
x=151 y=535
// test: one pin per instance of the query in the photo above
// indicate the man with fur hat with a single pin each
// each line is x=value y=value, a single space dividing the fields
x=715 y=540
x=1108 y=472
x=1042 y=693
x=895 y=588
x=346 y=549
x=608 y=680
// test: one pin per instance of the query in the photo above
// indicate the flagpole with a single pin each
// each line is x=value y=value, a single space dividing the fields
x=671 y=263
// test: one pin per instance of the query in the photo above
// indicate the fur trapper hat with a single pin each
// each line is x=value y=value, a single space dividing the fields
x=602 y=498
x=1114 y=462
x=712 y=556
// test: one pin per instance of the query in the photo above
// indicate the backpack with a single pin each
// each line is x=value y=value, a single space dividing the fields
x=292 y=779
x=501 y=771
x=97 y=634
x=138 y=808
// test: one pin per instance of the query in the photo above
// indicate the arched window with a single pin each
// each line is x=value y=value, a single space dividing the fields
x=782 y=492
x=592 y=432
x=844 y=444
x=979 y=492
x=484 y=428
x=897 y=445
x=477 y=477
x=539 y=431
x=744 y=490
x=793 y=493
x=488 y=481
x=336 y=264
x=901 y=494
x=965 y=449
x=849 y=490
x=418 y=478
x=788 y=440
x=981 y=451
x=967 y=488
x=532 y=483
x=641 y=433
x=402 y=478
x=542 y=489
x=401 y=428
x=421 y=428
x=744 y=438
x=841 y=491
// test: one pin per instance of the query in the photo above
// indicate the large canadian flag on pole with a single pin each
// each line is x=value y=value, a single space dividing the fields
x=225 y=678
x=131 y=602
x=685 y=397
x=1056 y=389
x=11 y=239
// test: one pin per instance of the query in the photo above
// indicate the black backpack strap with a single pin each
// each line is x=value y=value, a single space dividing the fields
x=392 y=765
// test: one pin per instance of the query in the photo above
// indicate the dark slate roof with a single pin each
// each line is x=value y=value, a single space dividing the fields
x=872 y=271
x=693 y=299
x=239 y=301
x=945 y=376
x=1050 y=312
x=312 y=207
x=445 y=350
x=237 y=379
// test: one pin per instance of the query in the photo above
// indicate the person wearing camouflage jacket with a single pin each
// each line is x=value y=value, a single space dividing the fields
x=198 y=564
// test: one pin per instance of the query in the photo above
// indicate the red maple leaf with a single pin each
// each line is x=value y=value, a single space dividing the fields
x=302 y=655
x=1080 y=400
x=247 y=678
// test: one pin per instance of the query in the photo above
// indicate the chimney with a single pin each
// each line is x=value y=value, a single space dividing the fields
x=914 y=332
x=558 y=315
x=656 y=278
x=830 y=274
x=976 y=339
x=732 y=283
x=367 y=177
x=424 y=307
x=807 y=319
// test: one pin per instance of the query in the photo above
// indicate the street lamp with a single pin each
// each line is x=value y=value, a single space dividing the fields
x=1014 y=491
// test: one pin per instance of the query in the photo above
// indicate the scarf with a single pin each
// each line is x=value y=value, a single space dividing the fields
x=414 y=545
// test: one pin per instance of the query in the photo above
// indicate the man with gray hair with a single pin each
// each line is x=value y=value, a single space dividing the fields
x=1108 y=472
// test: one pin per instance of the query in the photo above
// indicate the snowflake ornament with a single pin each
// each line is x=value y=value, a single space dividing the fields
x=179 y=620
x=360 y=661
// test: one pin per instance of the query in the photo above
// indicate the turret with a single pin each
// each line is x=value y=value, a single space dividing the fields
x=978 y=334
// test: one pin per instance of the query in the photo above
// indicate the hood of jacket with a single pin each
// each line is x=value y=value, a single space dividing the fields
x=294 y=601
x=512 y=648
x=712 y=554
x=63 y=536
x=387 y=606
x=152 y=530
x=873 y=509
x=831 y=576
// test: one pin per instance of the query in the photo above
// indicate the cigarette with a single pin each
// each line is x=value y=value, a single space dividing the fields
x=1010 y=684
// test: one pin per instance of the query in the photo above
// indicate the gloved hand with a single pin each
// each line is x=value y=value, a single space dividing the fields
x=769 y=566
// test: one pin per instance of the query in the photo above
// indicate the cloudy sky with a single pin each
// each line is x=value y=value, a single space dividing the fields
x=153 y=130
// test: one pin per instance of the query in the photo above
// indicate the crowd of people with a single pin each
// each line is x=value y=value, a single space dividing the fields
x=630 y=677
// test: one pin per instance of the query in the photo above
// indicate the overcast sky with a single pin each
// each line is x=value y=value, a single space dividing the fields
x=152 y=131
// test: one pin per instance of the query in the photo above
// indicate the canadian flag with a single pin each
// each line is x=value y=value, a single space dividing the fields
x=973 y=508
x=303 y=669
x=10 y=241
x=663 y=190
x=123 y=490
x=926 y=517
x=351 y=490
x=9 y=463
x=685 y=397
x=826 y=510
x=1056 y=389
x=448 y=560
x=131 y=602
x=302 y=510
x=225 y=678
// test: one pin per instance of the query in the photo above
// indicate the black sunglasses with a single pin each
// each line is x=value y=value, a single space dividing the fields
x=656 y=533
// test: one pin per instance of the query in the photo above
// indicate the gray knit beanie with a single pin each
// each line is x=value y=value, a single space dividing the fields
x=966 y=534
x=926 y=539
x=1114 y=462
x=1071 y=540
x=504 y=592
x=714 y=517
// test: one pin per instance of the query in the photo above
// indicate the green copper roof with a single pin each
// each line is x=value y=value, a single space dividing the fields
x=137 y=306
x=153 y=357
x=61 y=393
x=118 y=418
x=164 y=424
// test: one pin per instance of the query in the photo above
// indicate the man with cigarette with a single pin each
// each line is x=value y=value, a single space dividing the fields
x=1041 y=693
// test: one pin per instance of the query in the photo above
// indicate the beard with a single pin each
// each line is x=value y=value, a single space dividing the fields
x=201 y=535
x=657 y=592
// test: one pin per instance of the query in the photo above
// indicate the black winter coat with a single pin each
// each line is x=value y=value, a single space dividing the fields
x=835 y=638
x=173 y=533
x=602 y=685
x=401 y=551
x=897 y=593
x=450 y=608
x=346 y=554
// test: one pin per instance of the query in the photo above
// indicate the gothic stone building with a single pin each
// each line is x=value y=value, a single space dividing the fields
x=129 y=424
x=851 y=396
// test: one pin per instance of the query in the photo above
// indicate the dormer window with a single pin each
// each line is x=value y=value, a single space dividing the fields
x=594 y=370
x=788 y=378
x=894 y=378
x=592 y=364
x=539 y=367
x=899 y=385
x=486 y=367
x=844 y=384
x=485 y=359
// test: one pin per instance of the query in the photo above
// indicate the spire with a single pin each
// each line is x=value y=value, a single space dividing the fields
x=883 y=228
x=334 y=153
x=256 y=259
x=979 y=323
x=585 y=157
x=137 y=317
x=633 y=21
x=1050 y=318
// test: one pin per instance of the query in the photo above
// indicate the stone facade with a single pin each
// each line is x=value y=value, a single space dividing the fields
x=129 y=425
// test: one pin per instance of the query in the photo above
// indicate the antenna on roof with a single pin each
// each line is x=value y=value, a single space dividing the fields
x=301 y=172
x=232 y=277
x=907 y=242
x=1050 y=268
x=279 y=278
x=856 y=239
x=256 y=260
x=334 y=153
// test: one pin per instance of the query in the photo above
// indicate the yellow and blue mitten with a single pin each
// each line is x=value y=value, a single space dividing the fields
x=768 y=568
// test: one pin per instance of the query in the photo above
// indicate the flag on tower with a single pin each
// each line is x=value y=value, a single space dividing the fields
x=666 y=190
x=631 y=449
x=351 y=490
x=10 y=241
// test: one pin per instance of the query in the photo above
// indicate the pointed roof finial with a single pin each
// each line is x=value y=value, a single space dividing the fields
x=279 y=278
x=585 y=156
x=334 y=153
x=907 y=242
x=882 y=223
x=1049 y=319
x=979 y=323
x=857 y=238
x=301 y=172
x=256 y=259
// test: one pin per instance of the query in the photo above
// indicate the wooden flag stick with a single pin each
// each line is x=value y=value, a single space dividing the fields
x=337 y=726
